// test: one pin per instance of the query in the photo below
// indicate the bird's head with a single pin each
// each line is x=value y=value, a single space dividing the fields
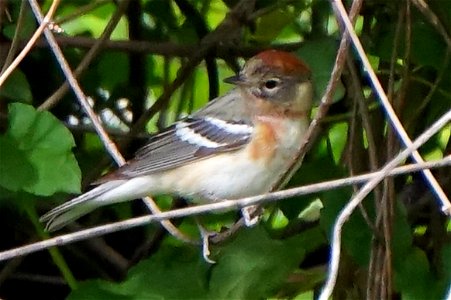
x=278 y=77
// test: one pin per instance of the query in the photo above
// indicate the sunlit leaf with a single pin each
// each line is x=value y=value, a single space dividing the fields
x=38 y=147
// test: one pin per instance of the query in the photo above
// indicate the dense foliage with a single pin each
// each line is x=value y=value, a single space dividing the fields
x=165 y=59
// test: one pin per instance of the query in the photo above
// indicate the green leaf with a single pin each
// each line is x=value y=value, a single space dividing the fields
x=114 y=68
x=270 y=25
x=36 y=154
x=154 y=278
x=251 y=266
x=320 y=56
x=402 y=237
x=99 y=289
x=172 y=273
x=254 y=265
x=338 y=139
x=16 y=87
x=414 y=279
x=16 y=170
x=94 y=22
x=446 y=269
x=427 y=46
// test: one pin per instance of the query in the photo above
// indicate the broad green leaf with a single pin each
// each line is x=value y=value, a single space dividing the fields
x=41 y=145
x=305 y=296
x=414 y=279
x=402 y=237
x=270 y=25
x=94 y=23
x=99 y=290
x=16 y=87
x=338 y=139
x=155 y=278
x=172 y=273
x=253 y=266
x=114 y=68
x=446 y=267
x=16 y=171
x=320 y=56
x=427 y=46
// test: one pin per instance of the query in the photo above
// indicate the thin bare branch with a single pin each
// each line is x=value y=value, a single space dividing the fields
x=89 y=57
x=82 y=10
x=225 y=33
x=314 y=127
x=364 y=191
x=43 y=24
x=446 y=205
x=326 y=101
x=349 y=208
x=107 y=142
x=433 y=19
x=228 y=204
x=16 y=38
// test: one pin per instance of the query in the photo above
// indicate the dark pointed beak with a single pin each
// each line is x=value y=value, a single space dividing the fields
x=237 y=79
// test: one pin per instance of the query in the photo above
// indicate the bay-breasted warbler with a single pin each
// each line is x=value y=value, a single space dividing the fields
x=238 y=145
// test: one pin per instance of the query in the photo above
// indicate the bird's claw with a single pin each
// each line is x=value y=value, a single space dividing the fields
x=251 y=215
x=205 y=235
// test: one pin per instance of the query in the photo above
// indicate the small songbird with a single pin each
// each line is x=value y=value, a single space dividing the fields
x=239 y=145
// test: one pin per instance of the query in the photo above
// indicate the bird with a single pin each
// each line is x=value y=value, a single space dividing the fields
x=238 y=145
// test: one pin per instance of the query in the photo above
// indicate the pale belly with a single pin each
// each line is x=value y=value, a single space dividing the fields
x=232 y=177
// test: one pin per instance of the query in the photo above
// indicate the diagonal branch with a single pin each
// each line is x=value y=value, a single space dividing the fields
x=107 y=142
x=225 y=33
x=364 y=191
x=326 y=101
x=314 y=128
x=31 y=42
x=422 y=6
x=90 y=55
x=410 y=150
x=446 y=205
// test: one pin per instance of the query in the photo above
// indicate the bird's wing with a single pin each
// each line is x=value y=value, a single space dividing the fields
x=188 y=140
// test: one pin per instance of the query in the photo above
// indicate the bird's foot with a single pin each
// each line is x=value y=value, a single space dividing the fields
x=251 y=214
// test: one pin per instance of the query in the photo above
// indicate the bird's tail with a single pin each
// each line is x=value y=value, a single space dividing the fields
x=70 y=211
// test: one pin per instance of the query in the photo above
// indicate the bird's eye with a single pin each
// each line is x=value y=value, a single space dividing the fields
x=270 y=84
